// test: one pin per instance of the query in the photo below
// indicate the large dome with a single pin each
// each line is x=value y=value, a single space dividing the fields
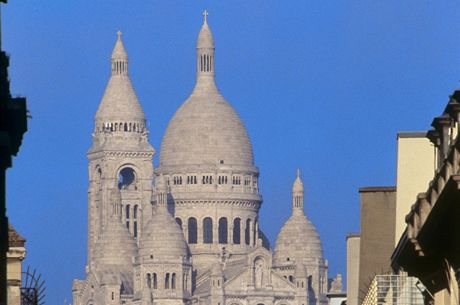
x=206 y=130
x=298 y=239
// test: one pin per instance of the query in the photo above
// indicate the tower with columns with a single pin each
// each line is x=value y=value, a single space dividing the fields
x=120 y=155
x=188 y=231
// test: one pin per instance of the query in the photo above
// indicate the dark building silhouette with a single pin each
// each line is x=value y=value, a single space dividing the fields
x=13 y=125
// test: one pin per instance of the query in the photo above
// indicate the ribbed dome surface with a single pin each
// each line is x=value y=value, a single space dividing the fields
x=119 y=101
x=116 y=246
x=162 y=237
x=205 y=130
x=297 y=239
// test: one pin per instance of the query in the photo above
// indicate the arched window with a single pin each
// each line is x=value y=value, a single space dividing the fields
x=247 y=232
x=223 y=232
x=192 y=231
x=207 y=230
x=135 y=220
x=167 y=281
x=127 y=208
x=126 y=178
x=155 y=283
x=237 y=231
x=291 y=279
x=179 y=222
x=173 y=281
x=149 y=280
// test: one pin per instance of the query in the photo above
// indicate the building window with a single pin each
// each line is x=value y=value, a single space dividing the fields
x=207 y=180
x=126 y=178
x=167 y=281
x=237 y=231
x=222 y=180
x=223 y=231
x=247 y=232
x=247 y=181
x=236 y=180
x=207 y=230
x=135 y=220
x=127 y=208
x=149 y=280
x=191 y=179
x=179 y=222
x=177 y=180
x=173 y=281
x=192 y=230
x=155 y=284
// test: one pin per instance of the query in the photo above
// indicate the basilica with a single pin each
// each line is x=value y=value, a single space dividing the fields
x=187 y=230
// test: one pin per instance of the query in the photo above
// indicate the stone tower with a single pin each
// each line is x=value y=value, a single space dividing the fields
x=163 y=268
x=120 y=156
x=207 y=159
x=298 y=246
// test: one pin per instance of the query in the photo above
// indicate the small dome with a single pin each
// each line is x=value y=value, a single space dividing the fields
x=298 y=239
x=116 y=246
x=162 y=238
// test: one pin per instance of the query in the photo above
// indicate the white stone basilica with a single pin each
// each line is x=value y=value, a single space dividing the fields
x=187 y=232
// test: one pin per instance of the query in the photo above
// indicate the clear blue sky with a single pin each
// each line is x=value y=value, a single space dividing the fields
x=320 y=85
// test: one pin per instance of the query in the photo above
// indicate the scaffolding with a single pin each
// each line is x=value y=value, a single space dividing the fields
x=394 y=290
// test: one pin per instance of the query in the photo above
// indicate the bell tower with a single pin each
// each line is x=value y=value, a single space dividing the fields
x=120 y=155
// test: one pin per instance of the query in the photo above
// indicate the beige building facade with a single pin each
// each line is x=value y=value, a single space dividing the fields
x=416 y=162
x=187 y=231
x=429 y=247
x=14 y=257
x=353 y=245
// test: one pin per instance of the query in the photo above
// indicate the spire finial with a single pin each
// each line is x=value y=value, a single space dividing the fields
x=205 y=15
x=119 y=57
x=298 y=173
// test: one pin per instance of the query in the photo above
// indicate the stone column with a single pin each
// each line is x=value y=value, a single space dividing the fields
x=199 y=231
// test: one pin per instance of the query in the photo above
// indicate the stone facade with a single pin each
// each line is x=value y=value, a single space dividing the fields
x=14 y=257
x=187 y=231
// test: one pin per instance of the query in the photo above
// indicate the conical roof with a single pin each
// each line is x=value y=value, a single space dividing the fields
x=119 y=102
x=205 y=130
